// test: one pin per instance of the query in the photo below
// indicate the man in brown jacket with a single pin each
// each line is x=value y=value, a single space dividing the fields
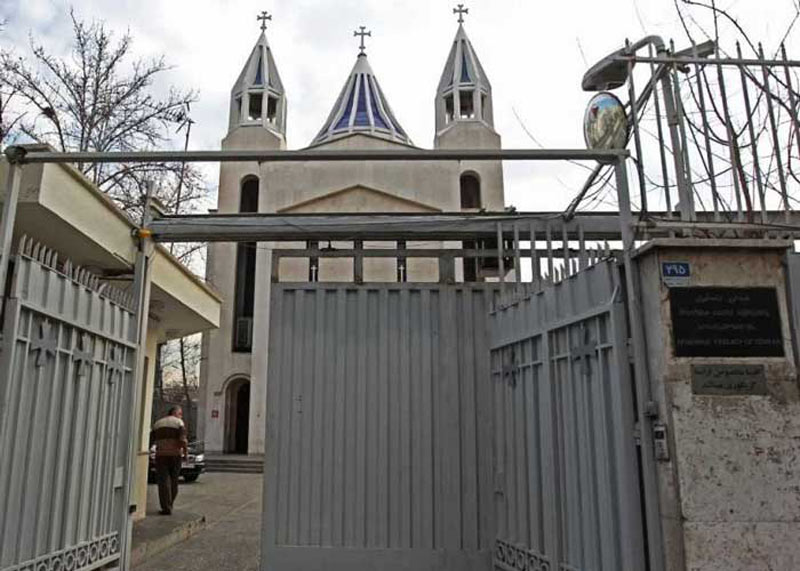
x=169 y=436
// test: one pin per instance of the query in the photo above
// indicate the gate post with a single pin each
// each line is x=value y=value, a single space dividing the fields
x=141 y=293
x=652 y=510
x=13 y=183
x=724 y=383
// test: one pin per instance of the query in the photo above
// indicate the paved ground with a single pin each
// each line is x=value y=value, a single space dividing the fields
x=231 y=504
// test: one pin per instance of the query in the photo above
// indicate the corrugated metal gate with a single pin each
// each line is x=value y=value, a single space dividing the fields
x=379 y=437
x=65 y=413
x=567 y=487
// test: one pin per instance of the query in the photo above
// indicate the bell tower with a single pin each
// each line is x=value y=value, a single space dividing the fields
x=465 y=120
x=256 y=122
x=257 y=117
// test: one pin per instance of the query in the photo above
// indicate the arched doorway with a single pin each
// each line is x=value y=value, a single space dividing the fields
x=237 y=416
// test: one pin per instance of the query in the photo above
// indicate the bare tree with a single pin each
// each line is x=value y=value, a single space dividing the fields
x=9 y=116
x=95 y=99
x=741 y=142
x=99 y=98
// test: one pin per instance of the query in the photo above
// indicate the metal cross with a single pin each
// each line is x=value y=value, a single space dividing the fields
x=263 y=18
x=585 y=351
x=460 y=11
x=361 y=32
x=44 y=344
x=83 y=355
x=511 y=369
x=115 y=364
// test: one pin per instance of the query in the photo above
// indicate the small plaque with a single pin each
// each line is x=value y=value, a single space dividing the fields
x=729 y=380
x=726 y=322
x=676 y=273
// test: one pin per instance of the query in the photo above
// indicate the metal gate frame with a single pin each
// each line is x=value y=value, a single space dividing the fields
x=567 y=481
x=265 y=227
x=378 y=405
x=66 y=416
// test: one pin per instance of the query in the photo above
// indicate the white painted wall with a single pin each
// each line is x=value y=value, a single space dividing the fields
x=321 y=187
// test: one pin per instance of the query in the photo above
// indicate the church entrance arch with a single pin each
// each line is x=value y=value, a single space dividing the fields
x=237 y=416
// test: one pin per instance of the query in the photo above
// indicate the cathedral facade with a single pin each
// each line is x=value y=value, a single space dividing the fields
x=233 y=378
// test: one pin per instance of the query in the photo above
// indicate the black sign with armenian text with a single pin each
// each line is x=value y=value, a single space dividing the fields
x=726 y=322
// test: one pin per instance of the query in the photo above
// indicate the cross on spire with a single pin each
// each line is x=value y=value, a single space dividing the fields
x=263 y=18
x=363 y=33
x=460 y=11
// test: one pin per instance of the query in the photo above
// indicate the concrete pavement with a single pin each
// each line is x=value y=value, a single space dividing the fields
x=231 y=504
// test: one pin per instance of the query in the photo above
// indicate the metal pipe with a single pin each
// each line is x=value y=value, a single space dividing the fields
x=701 y=89
x=666 y=60
x=608 y=156
x=269 y=227
x=500 y=265
x=536 y=271
x=642 y=375
x=10 y=202
x=550 y=268
x=138 y=334
x=517 y=259
x=660 y=132
x=775 y=142
x=792 y=100
x=684 y=197
x=679 y=113
x=637 y=139
x=751 y=132
x=582 y=249
x=732 y=153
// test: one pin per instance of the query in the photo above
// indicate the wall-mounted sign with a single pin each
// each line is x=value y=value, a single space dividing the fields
x=214 y=413
x=676 y=273
x=726 y=322
x=729 y=380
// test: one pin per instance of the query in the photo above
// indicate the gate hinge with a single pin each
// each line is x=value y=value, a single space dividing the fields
x=651 y=409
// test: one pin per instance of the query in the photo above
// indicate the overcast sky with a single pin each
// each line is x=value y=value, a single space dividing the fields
x=534 y=52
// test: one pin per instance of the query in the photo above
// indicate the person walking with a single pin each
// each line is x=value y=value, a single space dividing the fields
x=169 y=437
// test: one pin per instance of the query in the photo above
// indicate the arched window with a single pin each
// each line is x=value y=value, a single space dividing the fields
x=248 y=201
x=244 y=298
x=470 y=191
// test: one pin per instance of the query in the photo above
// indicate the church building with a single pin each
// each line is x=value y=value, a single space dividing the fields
x=234 y=363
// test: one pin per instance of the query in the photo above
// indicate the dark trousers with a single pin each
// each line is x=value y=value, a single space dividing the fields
x=168 y=469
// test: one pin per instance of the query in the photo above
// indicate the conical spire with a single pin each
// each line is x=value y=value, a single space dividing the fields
x=464 y=93
x=258 y=97
x=362 y=108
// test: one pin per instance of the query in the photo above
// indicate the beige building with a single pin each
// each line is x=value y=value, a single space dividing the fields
x=62 y=210
x=234 y=364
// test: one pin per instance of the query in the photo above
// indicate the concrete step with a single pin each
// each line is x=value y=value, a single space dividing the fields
x=156 y=533
x=235 y=463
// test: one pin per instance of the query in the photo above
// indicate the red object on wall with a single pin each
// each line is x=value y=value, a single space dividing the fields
x=215 y=413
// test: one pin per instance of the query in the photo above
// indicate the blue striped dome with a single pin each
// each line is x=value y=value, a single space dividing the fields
x=362 y=108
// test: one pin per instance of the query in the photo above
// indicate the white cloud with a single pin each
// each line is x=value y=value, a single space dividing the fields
x=533 y=52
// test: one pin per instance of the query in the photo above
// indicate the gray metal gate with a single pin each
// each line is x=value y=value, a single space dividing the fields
x=566 y=480
x=66 y=396
x=378 y=428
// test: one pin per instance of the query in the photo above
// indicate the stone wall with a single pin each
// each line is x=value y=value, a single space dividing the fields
x=730 y=490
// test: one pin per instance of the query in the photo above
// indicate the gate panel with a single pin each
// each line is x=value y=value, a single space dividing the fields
x=567 y=491
x=378 y=428
x=65 y=394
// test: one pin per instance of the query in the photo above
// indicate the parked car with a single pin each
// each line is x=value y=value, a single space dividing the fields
x=191 y=466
